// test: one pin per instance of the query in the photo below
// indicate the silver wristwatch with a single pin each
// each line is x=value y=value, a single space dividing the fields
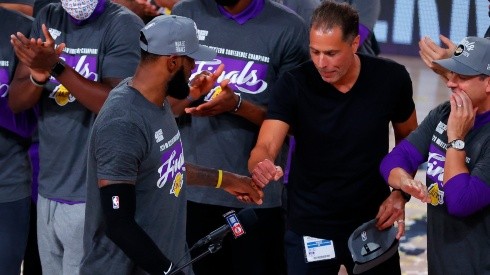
x=457 y=144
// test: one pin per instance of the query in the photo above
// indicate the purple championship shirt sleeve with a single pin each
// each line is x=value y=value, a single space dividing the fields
x=405 y=156
x=465 y=194
x=292 y=147
x=363 y=32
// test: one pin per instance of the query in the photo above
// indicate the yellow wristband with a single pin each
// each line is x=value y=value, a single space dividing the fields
x=220 y=178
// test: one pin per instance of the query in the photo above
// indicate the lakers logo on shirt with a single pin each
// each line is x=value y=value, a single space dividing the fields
x=61 y=95
x=213 y=93
x=436 y=195
x=177 y=184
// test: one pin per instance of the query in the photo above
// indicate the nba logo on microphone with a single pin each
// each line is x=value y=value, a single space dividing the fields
x=115 y=202
x=234 y=223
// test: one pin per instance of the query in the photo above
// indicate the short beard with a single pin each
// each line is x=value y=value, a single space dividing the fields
x=177 y=87
x=227 y=3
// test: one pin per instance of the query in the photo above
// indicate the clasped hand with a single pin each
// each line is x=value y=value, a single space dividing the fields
x=266 y=171
x=40 y=56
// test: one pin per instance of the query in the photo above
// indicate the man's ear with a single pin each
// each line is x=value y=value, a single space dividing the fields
x=355 y=43
x=487 y=84
x=172 y=63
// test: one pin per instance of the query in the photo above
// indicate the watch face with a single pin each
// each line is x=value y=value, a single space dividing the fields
x=457 y=144
x=58 y=68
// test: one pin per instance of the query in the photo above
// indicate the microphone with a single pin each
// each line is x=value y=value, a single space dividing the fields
x=245 y=218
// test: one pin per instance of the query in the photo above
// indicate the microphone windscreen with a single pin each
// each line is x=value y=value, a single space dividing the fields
x=247 y=218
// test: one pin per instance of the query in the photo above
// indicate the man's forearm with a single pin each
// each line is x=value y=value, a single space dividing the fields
x=123 y=230
x=257 y=155
x=89 y=93
x=23 y=93
x=251 y=112
x=203 y=176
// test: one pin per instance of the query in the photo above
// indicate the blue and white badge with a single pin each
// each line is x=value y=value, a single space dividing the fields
x=318 y=249
x=234 y=223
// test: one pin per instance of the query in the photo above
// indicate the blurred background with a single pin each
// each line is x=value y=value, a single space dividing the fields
x=402 y=22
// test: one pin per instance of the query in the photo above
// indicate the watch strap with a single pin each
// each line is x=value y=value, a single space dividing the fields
x=453 y=142
x=58 y=68
x=405 y=195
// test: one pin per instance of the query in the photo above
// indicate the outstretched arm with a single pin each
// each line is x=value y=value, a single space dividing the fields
x=228 y=101
x=261 y=161
x=241 y=187
x=393 y=208
x=398 y=168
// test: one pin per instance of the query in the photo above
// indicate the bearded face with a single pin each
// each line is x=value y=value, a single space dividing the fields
x=177 y=87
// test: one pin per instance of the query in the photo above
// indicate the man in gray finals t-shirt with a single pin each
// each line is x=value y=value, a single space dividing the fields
x=137 y=178
x=99 y=48
x=256 y=45
x=15 y=138
x=124 y=130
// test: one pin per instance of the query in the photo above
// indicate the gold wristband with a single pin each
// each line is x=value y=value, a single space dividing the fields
x=220 y=178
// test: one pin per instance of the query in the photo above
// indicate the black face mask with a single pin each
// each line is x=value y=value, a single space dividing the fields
x=177 y=87
x=227 y=3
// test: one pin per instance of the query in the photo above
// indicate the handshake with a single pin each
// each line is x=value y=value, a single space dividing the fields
x=263 y=173
x=249 y=190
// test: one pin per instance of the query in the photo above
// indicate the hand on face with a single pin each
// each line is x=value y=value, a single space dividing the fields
x=462 y=116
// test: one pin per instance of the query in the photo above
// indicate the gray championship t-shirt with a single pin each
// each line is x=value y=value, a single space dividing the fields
x=107 y=47
x=449 y=236
x=303 y=8
x=135 y=140
x=15 y=130
x=255 y=54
